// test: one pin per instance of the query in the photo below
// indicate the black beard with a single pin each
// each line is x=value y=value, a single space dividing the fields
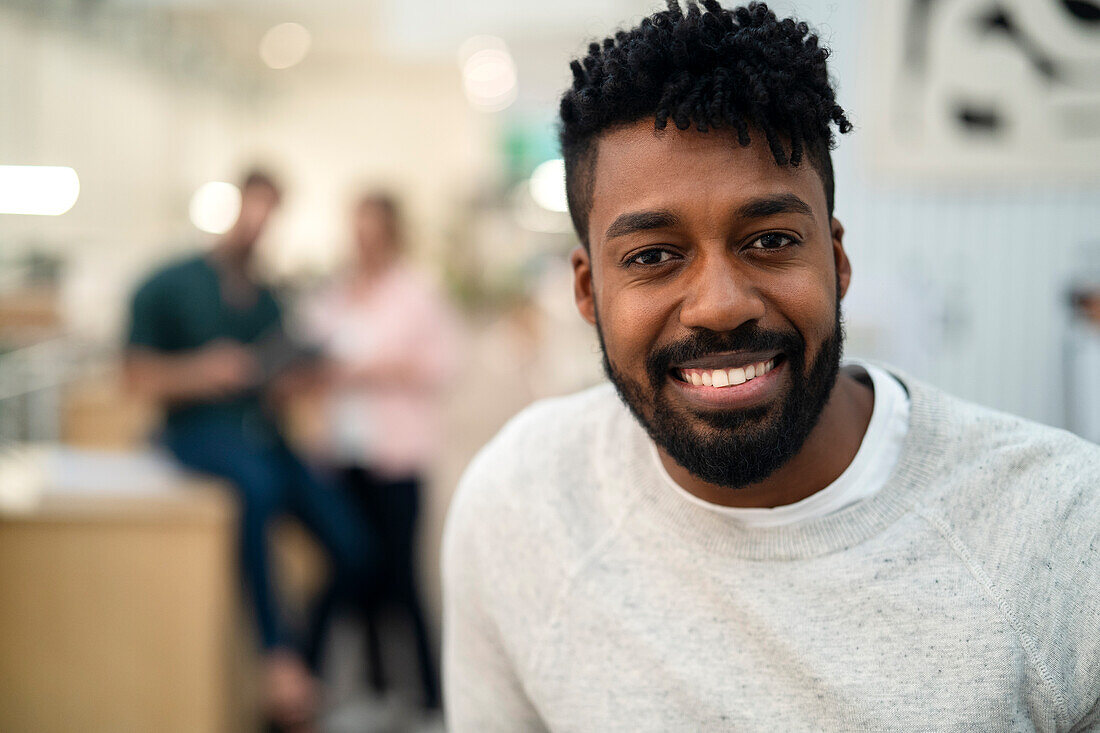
x=741 y=447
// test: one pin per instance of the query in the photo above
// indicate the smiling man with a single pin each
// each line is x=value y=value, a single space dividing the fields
x=743 y=533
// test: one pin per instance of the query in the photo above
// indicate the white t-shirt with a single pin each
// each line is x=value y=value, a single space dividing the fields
x=867 y=473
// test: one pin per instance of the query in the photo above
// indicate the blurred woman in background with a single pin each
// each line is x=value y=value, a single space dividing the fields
x=391 y=340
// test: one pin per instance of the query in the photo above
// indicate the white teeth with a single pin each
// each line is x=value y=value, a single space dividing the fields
x=726 y=377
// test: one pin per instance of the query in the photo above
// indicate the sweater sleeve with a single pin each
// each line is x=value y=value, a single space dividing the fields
x=1053 y=580
x=482 y=691
x=1072 y=616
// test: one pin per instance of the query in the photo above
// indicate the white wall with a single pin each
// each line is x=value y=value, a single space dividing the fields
x=139 y=142
x=960 y=284
x=407 y=128
x=992 y=259
x=142 y=142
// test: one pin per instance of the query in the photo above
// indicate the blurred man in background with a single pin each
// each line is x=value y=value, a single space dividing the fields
x=206 y=342
x=390 y=338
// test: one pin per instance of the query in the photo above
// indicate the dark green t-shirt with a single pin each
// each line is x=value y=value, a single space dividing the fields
x=181 y=308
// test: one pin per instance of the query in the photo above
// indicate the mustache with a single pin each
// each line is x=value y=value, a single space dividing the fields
x=701 y=343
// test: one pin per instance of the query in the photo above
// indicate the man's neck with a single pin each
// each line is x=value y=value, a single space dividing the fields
x=232 y=265
x=231 y=256
x=828 y=450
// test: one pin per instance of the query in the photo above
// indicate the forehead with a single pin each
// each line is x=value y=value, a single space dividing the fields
x=699 y=175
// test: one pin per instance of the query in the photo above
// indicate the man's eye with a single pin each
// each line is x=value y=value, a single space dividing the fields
x=772 y=240
x=650 y=257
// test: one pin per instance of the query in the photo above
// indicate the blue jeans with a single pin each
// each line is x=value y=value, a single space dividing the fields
x=270 y=481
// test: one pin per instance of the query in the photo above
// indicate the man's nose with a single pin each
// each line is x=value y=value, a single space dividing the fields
x=720 y=296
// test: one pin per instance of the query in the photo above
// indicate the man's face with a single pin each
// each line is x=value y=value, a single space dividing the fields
x=258 y=203
x=709 y=263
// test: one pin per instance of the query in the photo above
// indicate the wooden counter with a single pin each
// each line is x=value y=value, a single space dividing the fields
x=116 y=611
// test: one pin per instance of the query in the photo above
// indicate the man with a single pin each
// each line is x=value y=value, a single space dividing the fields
x=750 y=537
x=206 y=342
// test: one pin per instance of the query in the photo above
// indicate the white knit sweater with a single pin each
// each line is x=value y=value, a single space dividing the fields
x=582 y=594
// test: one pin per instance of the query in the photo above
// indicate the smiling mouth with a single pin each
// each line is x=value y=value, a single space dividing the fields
x=723 y=375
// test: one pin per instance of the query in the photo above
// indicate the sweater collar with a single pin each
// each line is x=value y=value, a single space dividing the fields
x=658 y=506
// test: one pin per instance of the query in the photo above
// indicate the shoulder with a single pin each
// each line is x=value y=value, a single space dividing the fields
x=176 y=273
x=529 y=504
x=540 y=454
x=194 y=265
x=1023 y=508
x=544 y=423
x=1009 y=477
x=157 y=286
x=1013 y=466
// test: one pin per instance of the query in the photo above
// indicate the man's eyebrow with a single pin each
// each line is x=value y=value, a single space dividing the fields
x=780 y=203
x=640 y=221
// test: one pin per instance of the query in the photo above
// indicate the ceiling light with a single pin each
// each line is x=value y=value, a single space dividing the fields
x=42 y=190
x=548 y=185
x=215 y=207
x=488 y=73
x=285 y=45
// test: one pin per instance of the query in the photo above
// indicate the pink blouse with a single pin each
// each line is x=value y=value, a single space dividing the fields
x=402 y=327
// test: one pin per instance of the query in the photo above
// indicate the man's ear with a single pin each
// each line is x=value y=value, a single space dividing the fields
x=582 y=284
x=840 y=257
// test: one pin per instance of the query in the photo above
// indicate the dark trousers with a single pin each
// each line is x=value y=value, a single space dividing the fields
x=392 y=507
x=270 y=481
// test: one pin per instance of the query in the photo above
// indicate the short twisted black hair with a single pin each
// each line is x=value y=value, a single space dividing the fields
x=739 y=70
